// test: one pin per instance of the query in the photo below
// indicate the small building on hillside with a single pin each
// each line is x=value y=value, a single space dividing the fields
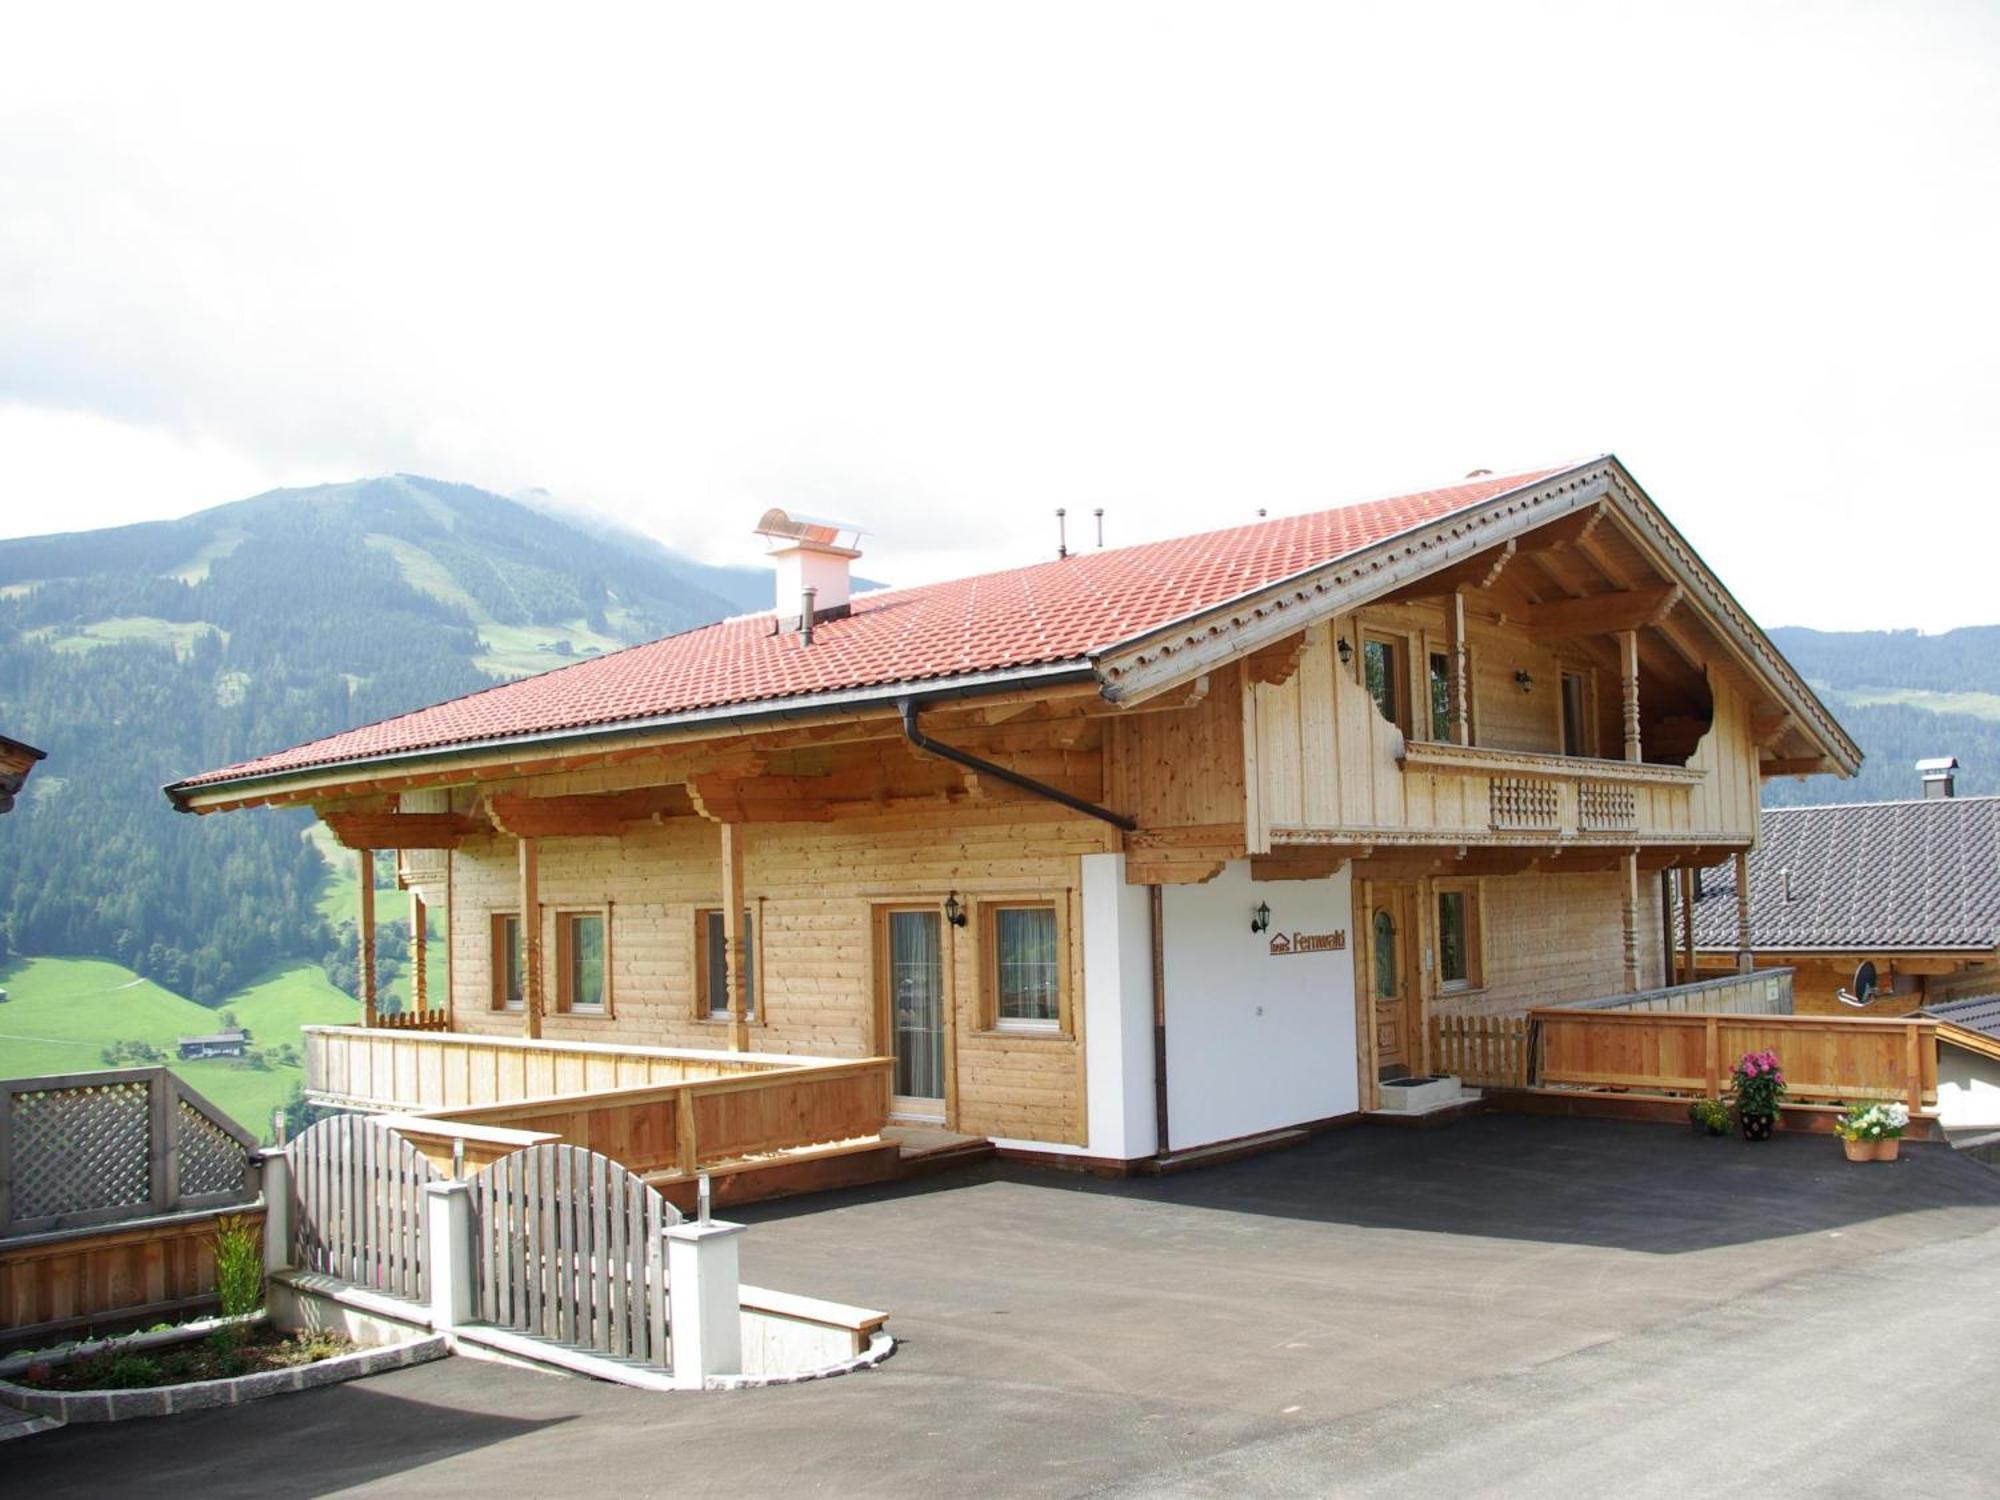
x=1123 y=854
x=16 y=760
x=232 y=1042
x=1892 y=904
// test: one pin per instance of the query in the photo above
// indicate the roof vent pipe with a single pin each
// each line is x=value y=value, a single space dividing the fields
x=806 y=614
x=1062 y=533
x=1940 y=776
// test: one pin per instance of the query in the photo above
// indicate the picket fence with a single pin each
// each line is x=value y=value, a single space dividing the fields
x=358 y=1210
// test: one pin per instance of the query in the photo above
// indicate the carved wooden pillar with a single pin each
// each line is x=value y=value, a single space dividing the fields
x=1687 y=920
x=1628 y=671
x=735 y=950
x=1744 y=956
x=531 y=940
x=364 y=935
x=1460 y=708
x=1630 y=894
x=420 y=989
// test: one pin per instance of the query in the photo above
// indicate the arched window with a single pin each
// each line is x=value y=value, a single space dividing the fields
x=1385 y=955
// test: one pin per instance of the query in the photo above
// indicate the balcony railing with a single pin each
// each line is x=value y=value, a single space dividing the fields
x=1534 y=796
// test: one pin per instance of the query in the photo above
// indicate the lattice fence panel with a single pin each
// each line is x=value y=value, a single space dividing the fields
x=211 y=1158
x=82 y=1149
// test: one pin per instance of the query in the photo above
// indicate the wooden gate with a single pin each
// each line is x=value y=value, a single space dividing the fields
x=570 y=1247
x=358 y=1205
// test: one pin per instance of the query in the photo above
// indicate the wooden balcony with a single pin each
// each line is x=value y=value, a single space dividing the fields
x=1525 y=797
x=667 y=1114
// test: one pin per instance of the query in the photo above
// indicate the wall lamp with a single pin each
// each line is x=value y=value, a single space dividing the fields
x=1260 y=917
x=1524 y=680
x=954 y=910
x=1346 y=652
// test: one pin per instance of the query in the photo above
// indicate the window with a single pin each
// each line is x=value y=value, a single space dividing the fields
x=1458 y=937
x=1577 y=736
x=1386 y=985
x=712 y=967
x=1383 y=673
x=1440 y=696
x=581 y=983
x=507 y=961
x=1026 y=968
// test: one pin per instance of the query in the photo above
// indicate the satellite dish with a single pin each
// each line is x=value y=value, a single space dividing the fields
x=1864 y=986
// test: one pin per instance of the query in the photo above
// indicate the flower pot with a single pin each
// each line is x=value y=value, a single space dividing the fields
x=1887 y=1147
x=1758 y=1127
x=1858 y=1150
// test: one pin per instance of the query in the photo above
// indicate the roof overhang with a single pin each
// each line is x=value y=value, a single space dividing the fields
x=1161 y=658
x=295 y=784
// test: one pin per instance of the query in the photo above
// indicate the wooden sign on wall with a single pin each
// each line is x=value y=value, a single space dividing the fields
x=1283 y=945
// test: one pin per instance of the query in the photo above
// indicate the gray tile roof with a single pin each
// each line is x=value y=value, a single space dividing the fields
x=1981 y=1015
x=1865 y=876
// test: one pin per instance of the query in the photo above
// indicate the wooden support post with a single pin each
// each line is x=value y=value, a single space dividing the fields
x=420 y=989
x=1630 y=893
x=735 y=952
x=1460 y=704
x=364 y=934
x=531 y=939
x=1628 y=671
x=1669 y=948
x=1687 y=921
x=1744 y=956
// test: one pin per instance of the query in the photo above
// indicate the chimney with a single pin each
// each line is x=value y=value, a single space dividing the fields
x=1940 y=776
x=812 y=558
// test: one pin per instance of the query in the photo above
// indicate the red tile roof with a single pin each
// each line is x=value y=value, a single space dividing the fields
x=1052 y=612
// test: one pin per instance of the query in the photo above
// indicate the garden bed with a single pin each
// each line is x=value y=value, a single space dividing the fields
x=224 y=1354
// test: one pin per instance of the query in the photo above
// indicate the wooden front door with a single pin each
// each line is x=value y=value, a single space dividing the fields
x=909 y=959
x=1392 y=979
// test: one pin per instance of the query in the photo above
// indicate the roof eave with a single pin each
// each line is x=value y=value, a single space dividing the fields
x=191 y=796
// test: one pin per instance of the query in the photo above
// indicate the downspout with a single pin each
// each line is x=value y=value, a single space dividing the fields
x=1157 y=921
x=910 y=708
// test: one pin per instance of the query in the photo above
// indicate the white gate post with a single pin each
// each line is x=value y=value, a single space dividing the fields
x=277 y=1175
x=448 y=1252
x=705 y=1291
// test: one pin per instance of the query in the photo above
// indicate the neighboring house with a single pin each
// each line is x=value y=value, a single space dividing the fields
x=1912 y=888
x=1131 y=851
x=1969 y=1070
x=234 y=1042
x=16 y=760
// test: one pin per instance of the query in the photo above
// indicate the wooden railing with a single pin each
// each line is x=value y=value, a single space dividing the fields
x=353 y=1067
x=1527 y=792
x=1826 y=1059
x=681 y=1129
x=433 y=1019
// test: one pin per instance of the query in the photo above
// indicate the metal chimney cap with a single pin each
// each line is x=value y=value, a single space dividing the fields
x=1938 y=763
x=810 y=531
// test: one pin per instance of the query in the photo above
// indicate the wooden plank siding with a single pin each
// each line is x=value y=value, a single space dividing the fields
x=813 y=889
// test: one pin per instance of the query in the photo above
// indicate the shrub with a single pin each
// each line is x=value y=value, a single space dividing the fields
x=239 y=1266
x=1760 y=1083
x=124 y=1372
x=1711 y=1115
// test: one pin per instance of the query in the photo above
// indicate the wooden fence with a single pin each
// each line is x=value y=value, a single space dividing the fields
x=1826 y=1059
x=1485 y=1051
x=74 y=1279
x=358 y=1205
x=353 y=1067
x=85 y=1149
x=681 y=1129
x=570 y=1247
x=1763 y=992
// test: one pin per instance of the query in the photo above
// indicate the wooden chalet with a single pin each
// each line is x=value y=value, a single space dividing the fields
x=1879 y=908
x=16 y=761
x=1122 y=854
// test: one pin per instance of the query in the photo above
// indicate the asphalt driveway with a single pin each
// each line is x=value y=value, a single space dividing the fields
x=1500 y=1307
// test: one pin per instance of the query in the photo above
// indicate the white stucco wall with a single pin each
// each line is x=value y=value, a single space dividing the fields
x=1968 y=1090
x=1118 y=1010
x=1255 y=1041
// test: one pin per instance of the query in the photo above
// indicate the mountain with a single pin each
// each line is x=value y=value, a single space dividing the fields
x=138 y=654
x=1904 y=697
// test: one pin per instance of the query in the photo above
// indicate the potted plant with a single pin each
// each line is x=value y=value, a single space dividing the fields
x=1760 y=1084
x=1708 y=1117
x=1873 y=1132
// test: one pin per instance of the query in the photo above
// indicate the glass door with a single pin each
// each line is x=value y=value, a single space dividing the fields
x=913 y=970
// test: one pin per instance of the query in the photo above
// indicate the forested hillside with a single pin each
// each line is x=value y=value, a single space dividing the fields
x=1904 y=697
x=140 y=654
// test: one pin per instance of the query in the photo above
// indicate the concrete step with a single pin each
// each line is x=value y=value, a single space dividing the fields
x=15 y=1423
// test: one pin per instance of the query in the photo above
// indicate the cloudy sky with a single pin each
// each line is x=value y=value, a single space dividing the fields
x=941 y=268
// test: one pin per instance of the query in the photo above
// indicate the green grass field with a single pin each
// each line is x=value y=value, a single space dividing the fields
x=1978 y=705
x=180 y=634
x=61 y=1013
